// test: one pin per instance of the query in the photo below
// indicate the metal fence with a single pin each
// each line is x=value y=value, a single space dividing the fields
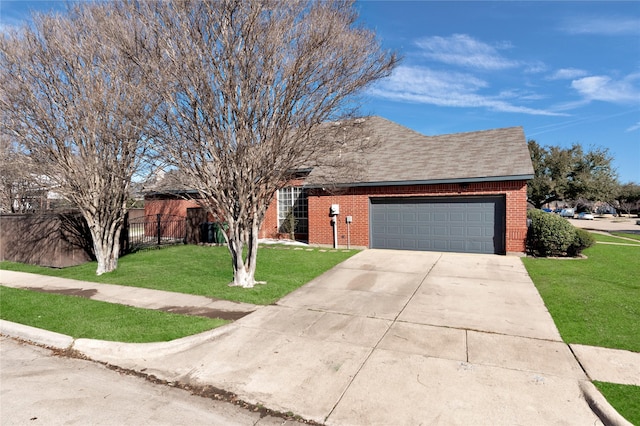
x=156 y=230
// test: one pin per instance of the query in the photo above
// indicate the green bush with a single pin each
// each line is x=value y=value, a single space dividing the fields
x=583 y=240
x=549 y=235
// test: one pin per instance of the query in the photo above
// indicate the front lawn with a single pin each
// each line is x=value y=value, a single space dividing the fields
x=627 y=235
x=92 y=319
x=624 y=398
x=593 y=301
x=596 y=301
x=614 y=238
x=207 y=271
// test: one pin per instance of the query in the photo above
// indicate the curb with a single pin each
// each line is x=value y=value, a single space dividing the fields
x=104 y=350
x=601 y=407
x=113 y=352
x=36 y=335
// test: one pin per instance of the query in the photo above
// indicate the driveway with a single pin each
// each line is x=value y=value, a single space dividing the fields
x=389 y=337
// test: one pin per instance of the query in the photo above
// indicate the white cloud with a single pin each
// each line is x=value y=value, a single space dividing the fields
x=450 y=89
x=567 y=74
x=463 y=50
x=602 y=26
x=535 y=67
x=634 y=127
x=604 y=88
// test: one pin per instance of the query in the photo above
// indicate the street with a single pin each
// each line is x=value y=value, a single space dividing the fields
x=40 y=388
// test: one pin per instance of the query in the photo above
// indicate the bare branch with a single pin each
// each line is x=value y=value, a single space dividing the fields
x=247 y=86
x=76 y=98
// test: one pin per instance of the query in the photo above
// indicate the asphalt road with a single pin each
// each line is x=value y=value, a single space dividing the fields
x=40 y=388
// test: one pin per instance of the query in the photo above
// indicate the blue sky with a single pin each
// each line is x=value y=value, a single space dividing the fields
x=568 y=72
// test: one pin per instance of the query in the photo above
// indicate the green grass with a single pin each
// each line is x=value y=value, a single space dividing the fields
x=627 y=235
x=84 y=318
x=206 y=271
x=614 y=239
x=624 y=398
x=593 y=301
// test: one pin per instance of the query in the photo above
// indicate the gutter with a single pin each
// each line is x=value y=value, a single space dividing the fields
x=424 y=182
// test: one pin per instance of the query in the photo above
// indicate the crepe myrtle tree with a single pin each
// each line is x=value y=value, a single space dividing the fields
x=247 y=85
x=73 y=95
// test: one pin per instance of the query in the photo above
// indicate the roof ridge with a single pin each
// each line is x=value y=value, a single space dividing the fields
x=477 y=131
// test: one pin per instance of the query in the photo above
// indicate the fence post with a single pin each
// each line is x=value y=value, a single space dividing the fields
x=158 y=228
x=125 y=241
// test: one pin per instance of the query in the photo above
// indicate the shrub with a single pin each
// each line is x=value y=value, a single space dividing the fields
x=581 y=241
x=549 y=235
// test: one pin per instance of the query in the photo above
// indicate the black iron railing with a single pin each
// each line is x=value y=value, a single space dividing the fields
x=156 y=230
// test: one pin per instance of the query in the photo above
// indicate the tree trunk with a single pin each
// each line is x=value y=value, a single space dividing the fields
x=106 y=245
x=244 y=269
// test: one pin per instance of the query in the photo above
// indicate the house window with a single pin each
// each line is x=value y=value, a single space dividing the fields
x=292 y=210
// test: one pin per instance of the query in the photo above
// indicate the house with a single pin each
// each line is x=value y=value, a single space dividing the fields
x=463 y=192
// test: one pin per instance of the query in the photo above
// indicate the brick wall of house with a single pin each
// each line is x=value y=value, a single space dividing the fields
x=269 y=228
x=167 y=206
x=354 y=202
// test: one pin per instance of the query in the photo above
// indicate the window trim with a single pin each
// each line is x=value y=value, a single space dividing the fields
x=299 y=206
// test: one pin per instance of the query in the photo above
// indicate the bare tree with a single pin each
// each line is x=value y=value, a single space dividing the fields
x=73 y=94
x=18 y=185
x=247 y=84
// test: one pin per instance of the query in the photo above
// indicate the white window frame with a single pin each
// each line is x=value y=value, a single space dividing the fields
x=294 y=197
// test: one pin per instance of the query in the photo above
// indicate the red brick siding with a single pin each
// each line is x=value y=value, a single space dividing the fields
x=355 y=202
x=269 y=228
x=176 y=207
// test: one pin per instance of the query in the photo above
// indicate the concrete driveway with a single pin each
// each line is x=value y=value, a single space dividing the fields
x=389 y=337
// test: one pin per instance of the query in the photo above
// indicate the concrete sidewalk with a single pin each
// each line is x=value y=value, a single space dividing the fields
x=132 y=296
x=392 y=337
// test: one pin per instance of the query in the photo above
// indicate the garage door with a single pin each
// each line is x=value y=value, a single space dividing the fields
x=456 y=224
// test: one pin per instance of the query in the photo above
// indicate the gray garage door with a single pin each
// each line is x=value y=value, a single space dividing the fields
x=457 y=224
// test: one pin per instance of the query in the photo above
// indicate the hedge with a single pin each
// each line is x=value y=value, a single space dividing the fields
x=552 y=235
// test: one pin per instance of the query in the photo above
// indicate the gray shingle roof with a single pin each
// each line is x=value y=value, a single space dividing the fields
x=405 y=156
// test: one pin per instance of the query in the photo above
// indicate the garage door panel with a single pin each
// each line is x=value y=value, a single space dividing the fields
x=475 y=217
x=476 y=231
x=393 y=215
x=440 y=245
x=457 y=217
x=394 y=243
x=475 y=247
x=456 y=231
x=423 y=230
x=409 y=231
x=393 y=230
x=460 y=224
x=439 y=231
x=409 y=217
x=439 y=216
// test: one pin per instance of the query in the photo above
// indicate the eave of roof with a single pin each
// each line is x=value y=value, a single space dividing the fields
x=428 y=182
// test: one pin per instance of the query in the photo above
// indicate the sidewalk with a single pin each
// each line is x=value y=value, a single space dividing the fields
x=167 y=301
x=384 y=337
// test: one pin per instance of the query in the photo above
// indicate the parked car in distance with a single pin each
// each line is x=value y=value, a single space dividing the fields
x=585 y=216
x=567 y=212
x=547 y=210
